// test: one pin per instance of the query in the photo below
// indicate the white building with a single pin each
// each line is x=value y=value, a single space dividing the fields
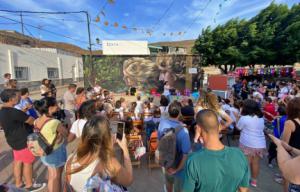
x=30 y=65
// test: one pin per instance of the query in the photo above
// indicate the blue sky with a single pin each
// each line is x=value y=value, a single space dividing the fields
x=164 y=18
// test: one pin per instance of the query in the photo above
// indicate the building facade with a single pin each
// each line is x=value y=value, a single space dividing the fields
x=30 y=65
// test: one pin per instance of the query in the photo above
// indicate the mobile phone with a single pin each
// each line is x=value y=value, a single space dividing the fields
x=117 y=128
x=120 y=130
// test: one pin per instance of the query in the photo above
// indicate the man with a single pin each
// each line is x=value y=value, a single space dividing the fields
x=15 y=124
x=7 y=77
x=70 y=104
x=174 y=176
x=216 y=167
x=237 y=88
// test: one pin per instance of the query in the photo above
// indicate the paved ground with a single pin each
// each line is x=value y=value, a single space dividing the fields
x=144 y=180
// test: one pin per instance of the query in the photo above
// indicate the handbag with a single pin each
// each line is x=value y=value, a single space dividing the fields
x=140 y=150
x=38 y=144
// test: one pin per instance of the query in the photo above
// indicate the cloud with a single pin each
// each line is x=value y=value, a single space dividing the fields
x=126 y=14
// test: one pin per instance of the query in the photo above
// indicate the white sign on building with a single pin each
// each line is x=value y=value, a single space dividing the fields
x=112 y=47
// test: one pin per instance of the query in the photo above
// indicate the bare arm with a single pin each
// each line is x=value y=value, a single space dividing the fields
x=228 y=120
x=71 y=137
x=288 y=129
x=243 y=189
x=30 y=121
x=124 y=174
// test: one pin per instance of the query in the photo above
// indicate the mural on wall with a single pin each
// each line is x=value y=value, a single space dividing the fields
x=118 y=73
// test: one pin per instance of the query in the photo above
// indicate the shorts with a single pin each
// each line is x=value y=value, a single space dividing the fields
x=57 y=158
x=294 y=188
x=23 y=155
x=248 y=151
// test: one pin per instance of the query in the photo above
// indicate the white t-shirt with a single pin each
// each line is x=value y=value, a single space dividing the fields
x=252 y=131
x=77 y=127
x=283 y=91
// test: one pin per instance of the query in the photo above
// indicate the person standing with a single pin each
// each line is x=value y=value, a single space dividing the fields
x=7 y=77
x=15 y=124
x=174 y=176
x=26 y=104
x=252 y=139
x=291 y=131
x=44 y=88
x=55 y=134
x=69 y=100
x=216 y=167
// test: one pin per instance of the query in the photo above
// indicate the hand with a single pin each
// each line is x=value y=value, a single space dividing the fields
x=275 y=140
x=123 y=143
x=286 y=146
x=171 y=171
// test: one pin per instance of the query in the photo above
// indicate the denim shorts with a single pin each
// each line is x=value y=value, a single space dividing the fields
x=57 y=158
x=294 y=188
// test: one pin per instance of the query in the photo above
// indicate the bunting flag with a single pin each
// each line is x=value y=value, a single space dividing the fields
x=106 y=23
x=111 y=1
x=124 y=27
x=116 y=24
x=97 y=19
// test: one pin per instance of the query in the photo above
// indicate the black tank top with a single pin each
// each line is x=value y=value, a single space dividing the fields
x=295 y=136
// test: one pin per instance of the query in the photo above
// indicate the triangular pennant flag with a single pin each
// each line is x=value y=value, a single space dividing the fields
x=97 y=19
x=135 y=29
x=164 y=34
x=220 y=5
x=116 y=24
x=106 y=23
x=124 y=26
x=111 y=1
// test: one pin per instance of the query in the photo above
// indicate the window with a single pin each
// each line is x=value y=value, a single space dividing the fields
x=52 y=73
x=22 y=73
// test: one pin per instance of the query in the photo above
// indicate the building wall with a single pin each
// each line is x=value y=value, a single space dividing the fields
x=38 y=60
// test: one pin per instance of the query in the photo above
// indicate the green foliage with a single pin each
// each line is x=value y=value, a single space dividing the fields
x=272 y=38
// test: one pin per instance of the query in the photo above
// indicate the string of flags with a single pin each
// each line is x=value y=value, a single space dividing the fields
x=100 y=19
x=270 y=71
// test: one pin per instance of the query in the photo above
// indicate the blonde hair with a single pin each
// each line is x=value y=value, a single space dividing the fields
x=96 y=140
x=212 y=102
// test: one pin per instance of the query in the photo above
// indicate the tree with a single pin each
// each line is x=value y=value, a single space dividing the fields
x=271 y=37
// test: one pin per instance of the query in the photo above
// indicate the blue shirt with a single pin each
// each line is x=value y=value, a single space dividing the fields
x=23 y=103
x=183 y=143
x=278 y=131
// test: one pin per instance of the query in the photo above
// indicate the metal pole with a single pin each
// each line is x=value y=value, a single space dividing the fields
x=90 y=47
x=22 y=24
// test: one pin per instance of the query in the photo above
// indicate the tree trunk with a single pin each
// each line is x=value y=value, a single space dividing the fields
x=224 y=70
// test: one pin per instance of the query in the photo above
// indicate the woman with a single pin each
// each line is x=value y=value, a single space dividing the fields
x=213 y=104
x=288 y=165
x=252 y=139
x=164 y=103
x=291 y=132
x=44 y=88
x=85 y=112
x=54 y=132
x=261 y=89
x=95 y=158
x=80 y=97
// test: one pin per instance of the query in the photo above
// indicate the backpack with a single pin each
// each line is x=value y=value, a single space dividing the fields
x=166 y=152
x=38 y=144
x=94 y=183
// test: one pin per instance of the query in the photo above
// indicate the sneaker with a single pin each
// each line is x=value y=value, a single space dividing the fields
x=36 y=187
x=271 y=166
x=253 y=183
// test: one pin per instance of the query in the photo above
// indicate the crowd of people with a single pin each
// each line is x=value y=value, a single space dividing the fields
x=188 y=137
